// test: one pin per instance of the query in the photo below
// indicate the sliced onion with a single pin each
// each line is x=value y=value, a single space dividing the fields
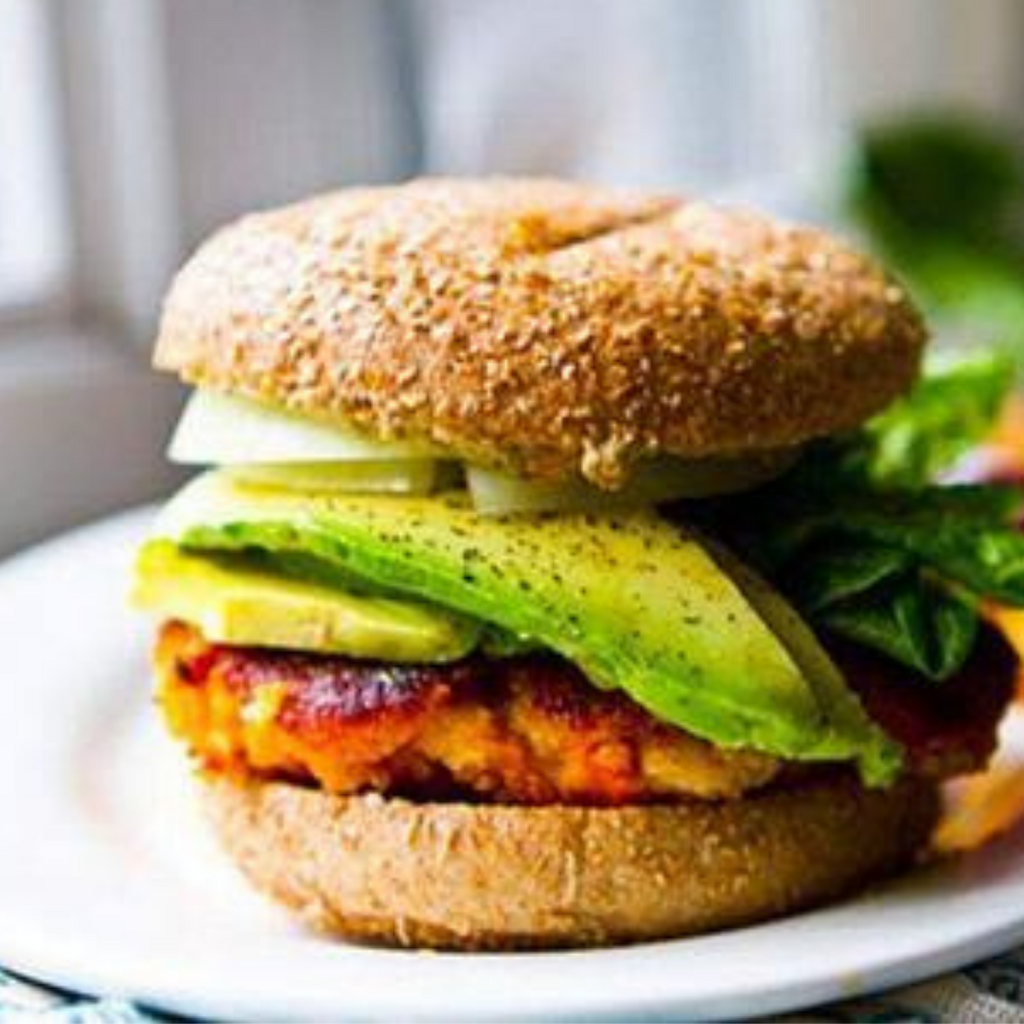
x=218 y=429
x=409 y=476
x=276 y=448
x=655 y=482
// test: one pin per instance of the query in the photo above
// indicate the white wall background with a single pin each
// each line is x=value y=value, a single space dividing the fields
x=180 y=114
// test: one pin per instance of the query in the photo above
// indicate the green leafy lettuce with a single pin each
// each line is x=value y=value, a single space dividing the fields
x=866 y=543
x=950 y=412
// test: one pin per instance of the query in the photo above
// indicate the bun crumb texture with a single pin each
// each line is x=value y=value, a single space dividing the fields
x=472 y=877
x=549 y=328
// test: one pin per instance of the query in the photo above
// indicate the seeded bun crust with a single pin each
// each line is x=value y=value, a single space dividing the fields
x=550 y=328
x=463 y=877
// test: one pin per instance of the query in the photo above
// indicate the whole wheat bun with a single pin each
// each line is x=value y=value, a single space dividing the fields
x=550 y=328
x=463 y=877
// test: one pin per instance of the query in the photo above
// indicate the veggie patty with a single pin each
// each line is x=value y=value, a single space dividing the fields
x=525 y=730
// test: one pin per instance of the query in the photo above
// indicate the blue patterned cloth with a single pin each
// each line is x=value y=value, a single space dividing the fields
x=990 y=993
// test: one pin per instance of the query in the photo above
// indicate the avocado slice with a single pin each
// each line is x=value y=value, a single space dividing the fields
x=635 y=602
x=235 y=601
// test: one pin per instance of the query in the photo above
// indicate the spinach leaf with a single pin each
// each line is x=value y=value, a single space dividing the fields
x=960 y=532
x=791 y=515
x=861 y=563
x=843 y=569
x=912 y=622
x=865 y=543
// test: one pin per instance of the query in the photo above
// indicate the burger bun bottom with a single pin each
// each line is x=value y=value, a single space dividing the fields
x=483 y=877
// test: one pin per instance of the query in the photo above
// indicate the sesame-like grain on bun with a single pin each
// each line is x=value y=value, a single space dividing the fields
x=550 y=328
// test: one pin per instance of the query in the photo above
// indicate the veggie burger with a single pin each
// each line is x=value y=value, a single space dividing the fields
x=572 y=568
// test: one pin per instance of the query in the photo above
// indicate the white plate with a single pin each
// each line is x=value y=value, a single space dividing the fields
x=107 y=883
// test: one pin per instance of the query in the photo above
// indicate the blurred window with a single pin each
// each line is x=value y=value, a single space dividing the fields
x=34 y=241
